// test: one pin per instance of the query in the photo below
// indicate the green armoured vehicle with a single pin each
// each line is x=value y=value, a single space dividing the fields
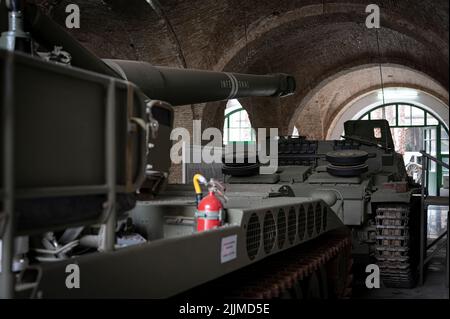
x=365 y=183
x=85 y=161
x=81 y=140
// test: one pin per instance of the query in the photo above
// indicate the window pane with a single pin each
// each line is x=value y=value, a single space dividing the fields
x=433 y=167
x=225 y=136
x=232 y=105
x=444 y=147
x=408 y=140
x=404 y=115
x=234 y=119
x=433 y=134
x=377 y=114
x=431 y=120
x=245 y=122
x=244 y=117
x=366 y=117
x=418 y=116
x=444 y=141
x=445 y=170
x=237 y=127
x=246 y=134
x=390 y=114
x=234 y=134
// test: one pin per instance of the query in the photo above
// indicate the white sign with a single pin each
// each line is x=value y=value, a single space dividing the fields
x=228 y=250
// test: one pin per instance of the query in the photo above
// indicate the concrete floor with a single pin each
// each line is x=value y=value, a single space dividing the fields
x=433 y=288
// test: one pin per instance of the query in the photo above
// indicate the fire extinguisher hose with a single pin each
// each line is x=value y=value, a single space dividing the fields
x=197 y=180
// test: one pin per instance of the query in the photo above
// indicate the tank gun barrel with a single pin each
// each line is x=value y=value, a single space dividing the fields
x=176 y=86
x=187 y=86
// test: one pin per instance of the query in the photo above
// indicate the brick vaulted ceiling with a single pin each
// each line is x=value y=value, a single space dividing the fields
x=311 y=39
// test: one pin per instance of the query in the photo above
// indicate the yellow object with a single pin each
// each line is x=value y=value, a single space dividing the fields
x=197 y=179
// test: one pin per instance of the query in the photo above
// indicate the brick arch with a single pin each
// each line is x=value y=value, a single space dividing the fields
x=269 y=36
x=410 y=53
x=392 y=18
x=322 y=107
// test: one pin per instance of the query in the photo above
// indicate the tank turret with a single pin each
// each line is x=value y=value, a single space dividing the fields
x=171 y=86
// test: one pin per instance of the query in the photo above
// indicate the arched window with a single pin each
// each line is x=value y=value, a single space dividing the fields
x=237 y=126
x=414 y=129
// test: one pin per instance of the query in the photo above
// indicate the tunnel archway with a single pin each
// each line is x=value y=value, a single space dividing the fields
x=371 y=100
x=335 y=99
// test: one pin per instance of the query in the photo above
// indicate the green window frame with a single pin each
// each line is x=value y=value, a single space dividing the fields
x=429 y=120
x=228 y=128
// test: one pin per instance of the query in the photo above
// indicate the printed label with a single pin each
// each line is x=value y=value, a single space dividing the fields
x=228 y=249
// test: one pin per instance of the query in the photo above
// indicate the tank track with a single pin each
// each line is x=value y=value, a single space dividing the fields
x=287 y=274
x=396 y=251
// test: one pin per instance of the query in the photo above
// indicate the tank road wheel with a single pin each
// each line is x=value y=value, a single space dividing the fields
x=319 y=269
x=397 y=244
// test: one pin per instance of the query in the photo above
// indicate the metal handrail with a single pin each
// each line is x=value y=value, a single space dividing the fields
x=424 y=259
x=434 y=159
x=434 y=242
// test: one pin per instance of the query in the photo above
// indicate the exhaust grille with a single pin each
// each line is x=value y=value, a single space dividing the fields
x=281 y=228
x=318 y=219
x=324 y=218
x=292 y=221
x=269 y=232
x=253 y=236
x=301 y=223
x=310 y=220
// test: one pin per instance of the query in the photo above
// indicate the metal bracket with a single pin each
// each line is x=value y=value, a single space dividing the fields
x=153 y=123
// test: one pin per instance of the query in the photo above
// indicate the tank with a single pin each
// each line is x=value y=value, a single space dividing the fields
x=82 y=85
x=81 y=139
x=364 y=181
x=189 y=86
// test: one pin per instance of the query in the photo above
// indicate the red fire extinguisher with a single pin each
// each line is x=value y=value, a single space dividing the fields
x=210 y=212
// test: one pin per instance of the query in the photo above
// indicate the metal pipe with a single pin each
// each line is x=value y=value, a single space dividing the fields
x=422 y=223
x=15 y=38
x=7 y=254
x=433 y=254
x=110 y=225
x=434 y=159
x=434 y=242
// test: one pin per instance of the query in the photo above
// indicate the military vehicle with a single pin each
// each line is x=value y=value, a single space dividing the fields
x=85 y=161
x=364 y=182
